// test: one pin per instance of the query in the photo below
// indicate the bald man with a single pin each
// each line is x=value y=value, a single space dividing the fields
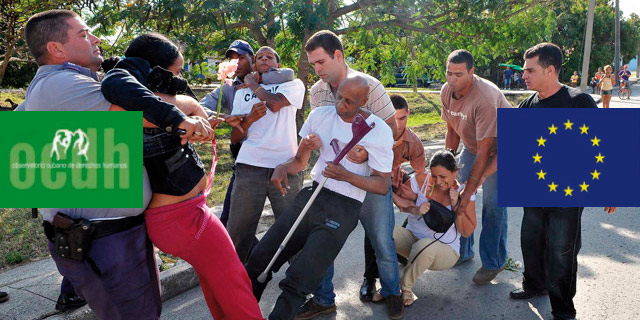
x=334 y=214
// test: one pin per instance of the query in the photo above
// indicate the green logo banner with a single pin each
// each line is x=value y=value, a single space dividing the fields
x=71 y=159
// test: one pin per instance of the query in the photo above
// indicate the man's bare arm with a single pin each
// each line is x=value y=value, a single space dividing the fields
x=451 y=139
x=296 y=164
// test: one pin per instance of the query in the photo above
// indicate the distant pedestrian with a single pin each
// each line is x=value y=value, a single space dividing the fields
x=599 y=75
x=508 y=73
x=574 y=79
x=606 y=85
x=517 y=79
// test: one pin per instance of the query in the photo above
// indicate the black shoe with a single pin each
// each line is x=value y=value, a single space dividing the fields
x=3 y=296
x=395 y=308
x=69 y=302
x=312 y=309
x=522 y=294
x=367 y=289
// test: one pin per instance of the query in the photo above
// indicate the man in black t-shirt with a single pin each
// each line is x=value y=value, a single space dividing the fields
x=550 y=237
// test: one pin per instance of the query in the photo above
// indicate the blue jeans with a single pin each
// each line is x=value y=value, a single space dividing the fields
x=378 y=221
x=493 y=238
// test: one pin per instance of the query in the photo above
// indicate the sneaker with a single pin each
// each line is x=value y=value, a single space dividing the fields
x=312 y=309
x=367 y=289
x=484 y=276
x=69 y=302
x=3 y=296
x=461 y=261
x=523 y=294
x=395 y=307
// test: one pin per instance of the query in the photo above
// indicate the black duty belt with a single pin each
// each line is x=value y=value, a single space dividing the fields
x=102 y=228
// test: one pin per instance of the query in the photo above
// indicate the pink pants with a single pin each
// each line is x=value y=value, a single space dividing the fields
x=190 y=231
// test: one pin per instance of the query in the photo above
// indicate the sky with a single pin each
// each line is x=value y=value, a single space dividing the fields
x=629 y=6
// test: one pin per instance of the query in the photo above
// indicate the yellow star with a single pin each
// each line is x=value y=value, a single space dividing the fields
x=584 y=186
x=537 y=158
x=568 y=191
x=567 y=125
x=553 y=129
x=541 y=174
x=541 y=141
x=595 y=175
x=552 y=187
x=584 y=129
x=596 y=141
x=599 y=158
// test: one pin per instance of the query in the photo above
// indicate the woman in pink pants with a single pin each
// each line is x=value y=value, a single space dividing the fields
x=178 y=220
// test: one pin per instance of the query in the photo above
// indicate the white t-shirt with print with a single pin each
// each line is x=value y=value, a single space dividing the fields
x=420 y=229
x=325 y=122
x=271 y=140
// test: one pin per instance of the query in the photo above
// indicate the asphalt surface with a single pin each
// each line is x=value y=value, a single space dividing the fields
x=608 y=286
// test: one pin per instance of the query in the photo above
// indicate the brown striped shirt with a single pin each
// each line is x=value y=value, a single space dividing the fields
x=378 y=103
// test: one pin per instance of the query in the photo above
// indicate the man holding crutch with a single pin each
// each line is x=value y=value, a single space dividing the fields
x=334 y=213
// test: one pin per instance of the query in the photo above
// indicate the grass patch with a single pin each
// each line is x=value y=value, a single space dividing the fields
x=21 y=237
x=14 y=95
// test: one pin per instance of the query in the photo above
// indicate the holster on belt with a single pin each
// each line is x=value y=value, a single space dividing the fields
x=72 y=238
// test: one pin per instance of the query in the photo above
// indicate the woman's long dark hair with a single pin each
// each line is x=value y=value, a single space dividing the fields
x=155 y=48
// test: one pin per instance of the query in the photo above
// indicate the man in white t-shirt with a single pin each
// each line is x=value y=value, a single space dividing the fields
x=334 y=214
x=270 y=139
x=326 y=53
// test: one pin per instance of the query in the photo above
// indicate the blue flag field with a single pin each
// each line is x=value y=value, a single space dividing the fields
x=569 y=157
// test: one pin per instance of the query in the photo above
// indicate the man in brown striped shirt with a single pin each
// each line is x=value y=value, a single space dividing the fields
x=326 y=54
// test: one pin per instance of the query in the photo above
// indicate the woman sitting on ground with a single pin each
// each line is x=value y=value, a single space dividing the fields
x=424 y=248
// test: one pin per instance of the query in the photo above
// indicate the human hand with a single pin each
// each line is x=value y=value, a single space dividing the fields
x=336 y=171
x=234 y=121
x=454 y=196
x=358 y=154
x=610 y=210
x=396 y=177
x=424 y=208
x=197 y=129
x=257 y=111
x=252 y=79
x=312 y=141
x=279 y=179
x=405 y=192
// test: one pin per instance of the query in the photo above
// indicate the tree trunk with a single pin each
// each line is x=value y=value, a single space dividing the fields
x=303 y=74
x=7 y=56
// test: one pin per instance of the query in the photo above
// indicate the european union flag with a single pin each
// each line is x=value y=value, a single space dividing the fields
x=568 y=157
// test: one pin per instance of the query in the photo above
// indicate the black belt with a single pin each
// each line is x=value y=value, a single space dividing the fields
x=153 y=131
x=102 y=228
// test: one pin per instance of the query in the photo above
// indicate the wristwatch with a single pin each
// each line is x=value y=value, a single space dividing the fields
x=454 y=152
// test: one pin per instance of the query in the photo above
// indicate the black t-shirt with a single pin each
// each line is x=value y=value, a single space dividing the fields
x=565 y=98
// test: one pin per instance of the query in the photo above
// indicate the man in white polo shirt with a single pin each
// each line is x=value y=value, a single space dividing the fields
x=270 y=139
x=334 y=214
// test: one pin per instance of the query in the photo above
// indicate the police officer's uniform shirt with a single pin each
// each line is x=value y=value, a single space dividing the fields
x=327 y=124
x=271 y=140
x=55 y=88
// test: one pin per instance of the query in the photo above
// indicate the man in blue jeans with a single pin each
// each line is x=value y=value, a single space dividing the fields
x=469 y=106
x=551 y=237
x=326 y=54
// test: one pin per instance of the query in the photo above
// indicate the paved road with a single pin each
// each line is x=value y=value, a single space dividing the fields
x=634 y=102
x=608 y=286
